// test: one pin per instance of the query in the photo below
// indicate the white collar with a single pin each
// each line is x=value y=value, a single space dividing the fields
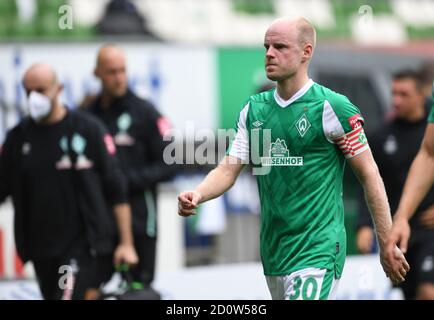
x=284 y=103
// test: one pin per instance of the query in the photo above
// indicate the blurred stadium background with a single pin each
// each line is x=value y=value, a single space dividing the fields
x=198 y=60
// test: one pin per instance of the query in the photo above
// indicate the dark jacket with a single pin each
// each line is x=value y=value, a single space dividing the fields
x=138 y=129
x=63 y=178
x=394 y=147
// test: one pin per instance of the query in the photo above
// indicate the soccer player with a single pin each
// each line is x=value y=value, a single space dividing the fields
x=68 y=193
x=311 y=131
x=419 y=182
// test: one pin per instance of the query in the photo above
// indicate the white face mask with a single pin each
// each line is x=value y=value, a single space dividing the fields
x=39 y=105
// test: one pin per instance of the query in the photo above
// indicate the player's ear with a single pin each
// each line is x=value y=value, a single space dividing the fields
x=307 y=52
x=96 y=72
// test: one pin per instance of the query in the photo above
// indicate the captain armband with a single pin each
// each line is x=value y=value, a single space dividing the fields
x=353 y=142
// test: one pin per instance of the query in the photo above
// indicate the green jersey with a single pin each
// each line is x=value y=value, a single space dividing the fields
x=431 y=114
x=298 y=148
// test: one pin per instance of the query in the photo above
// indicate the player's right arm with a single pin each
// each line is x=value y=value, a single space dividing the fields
x=419 y=181
x=217 y=182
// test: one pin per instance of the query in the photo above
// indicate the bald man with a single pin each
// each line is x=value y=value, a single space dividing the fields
x=298 y=137
x=59 y=167
x=138 y=129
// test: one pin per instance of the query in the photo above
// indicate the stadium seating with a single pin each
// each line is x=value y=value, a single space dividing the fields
x=228 y=21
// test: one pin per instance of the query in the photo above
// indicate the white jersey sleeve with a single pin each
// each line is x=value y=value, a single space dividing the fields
x=239 y=147
x=351 y=139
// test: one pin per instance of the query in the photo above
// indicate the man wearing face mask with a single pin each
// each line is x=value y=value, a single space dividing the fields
x=60 y=169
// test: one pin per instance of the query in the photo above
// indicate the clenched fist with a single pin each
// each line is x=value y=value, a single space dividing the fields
x=188 y=202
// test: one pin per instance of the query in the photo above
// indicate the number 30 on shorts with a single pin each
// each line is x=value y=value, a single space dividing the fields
x=309 y=284
x=307 y=288
x=305 y=284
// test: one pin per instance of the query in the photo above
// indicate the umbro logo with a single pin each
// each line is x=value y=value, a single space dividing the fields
x=257 y=123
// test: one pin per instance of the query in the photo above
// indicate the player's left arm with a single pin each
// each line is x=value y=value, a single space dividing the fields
x=343 y=126
x=366 y=170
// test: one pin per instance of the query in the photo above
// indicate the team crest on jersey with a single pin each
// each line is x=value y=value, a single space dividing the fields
x=302 y=125
x=279 y=155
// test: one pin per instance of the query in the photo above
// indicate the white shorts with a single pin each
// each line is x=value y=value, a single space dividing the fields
x=305 y=284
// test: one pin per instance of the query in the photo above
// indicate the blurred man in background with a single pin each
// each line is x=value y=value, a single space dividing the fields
x=60 y=169
x=394 y=147
x=138 y=129
x=417 y=185
x=303 y=239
